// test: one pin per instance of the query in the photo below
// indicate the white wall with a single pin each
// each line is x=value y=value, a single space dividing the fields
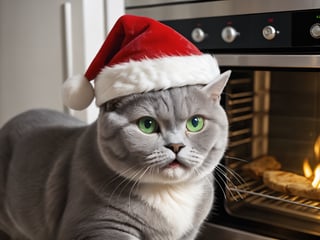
x=32 y=54
x=30 y=62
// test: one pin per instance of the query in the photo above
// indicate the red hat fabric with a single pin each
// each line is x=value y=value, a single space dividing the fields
x=139 y=55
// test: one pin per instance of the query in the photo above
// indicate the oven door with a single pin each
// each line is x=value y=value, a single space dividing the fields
x=274 y=112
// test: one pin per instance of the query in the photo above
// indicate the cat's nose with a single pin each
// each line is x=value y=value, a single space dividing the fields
x=175 y=147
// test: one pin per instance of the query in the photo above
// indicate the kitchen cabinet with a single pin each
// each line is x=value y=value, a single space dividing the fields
x=42 y=42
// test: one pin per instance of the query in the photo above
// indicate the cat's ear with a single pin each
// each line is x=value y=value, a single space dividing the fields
x=215 y=88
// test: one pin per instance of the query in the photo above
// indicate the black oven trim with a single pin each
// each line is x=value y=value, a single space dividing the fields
x=292 y=33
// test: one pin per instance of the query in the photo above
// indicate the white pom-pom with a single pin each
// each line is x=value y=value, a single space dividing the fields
x=77 y=93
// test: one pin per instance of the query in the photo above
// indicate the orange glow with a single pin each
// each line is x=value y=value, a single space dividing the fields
x=307 y=170
x=314 y=176
x=317 y=148
x=316 y=180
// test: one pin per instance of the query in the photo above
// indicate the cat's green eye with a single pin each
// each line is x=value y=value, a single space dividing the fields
x=195 y=123
x=148 y=125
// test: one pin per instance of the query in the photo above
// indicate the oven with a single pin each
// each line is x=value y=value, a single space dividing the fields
x=273 y=104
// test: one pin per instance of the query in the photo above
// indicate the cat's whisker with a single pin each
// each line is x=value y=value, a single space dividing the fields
x=125 y=181
x=115 y=190
x=197 y=172
x=233 y=173
x=226 y=181
x=136 y=183
x=154 y=162
x=206 y=177
x=156 y=157
x=112 y=180
x=194 y=161
x=133 y=178
x=152 y=172
x=117 y=176
x=236 y=158
x=239 y=179
x=221 y=187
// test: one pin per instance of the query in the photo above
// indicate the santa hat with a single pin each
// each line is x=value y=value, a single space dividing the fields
x=139 y=55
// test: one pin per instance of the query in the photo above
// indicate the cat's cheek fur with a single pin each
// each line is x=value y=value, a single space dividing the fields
x=140 y=143
x=211 y=162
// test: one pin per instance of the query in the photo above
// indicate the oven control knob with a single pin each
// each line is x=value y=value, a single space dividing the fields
x=198 y=35
x=269 y=32
x=229 y=34
x=315 y=30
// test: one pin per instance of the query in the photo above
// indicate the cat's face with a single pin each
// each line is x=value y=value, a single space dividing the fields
x=166 y=136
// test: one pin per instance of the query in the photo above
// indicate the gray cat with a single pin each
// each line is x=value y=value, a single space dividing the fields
x=143 y=170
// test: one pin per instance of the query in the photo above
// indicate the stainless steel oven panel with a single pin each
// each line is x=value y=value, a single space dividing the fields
x=135 y=3
x=272 y=61
x=222 y=8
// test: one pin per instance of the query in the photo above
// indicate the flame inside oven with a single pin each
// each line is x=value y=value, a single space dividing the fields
x=313 y=175
x=316 y=180
x=317 y=149
x=307 y=170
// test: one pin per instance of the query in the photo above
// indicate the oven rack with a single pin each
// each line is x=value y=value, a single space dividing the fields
x=255 y=193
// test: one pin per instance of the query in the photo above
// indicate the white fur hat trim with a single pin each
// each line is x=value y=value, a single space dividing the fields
x=154 y=74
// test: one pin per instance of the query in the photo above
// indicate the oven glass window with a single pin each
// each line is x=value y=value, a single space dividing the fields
x=274 y=150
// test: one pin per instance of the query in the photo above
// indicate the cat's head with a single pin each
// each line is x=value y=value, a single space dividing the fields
x=167 y=136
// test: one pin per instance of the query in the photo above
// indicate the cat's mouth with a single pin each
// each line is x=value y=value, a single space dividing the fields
x=174 y=164
x=175 y=170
